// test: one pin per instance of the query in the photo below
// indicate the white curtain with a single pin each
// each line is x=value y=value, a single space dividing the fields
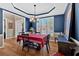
x=45 y=25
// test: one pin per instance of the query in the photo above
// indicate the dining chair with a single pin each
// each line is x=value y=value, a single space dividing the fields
x=38 y=44
x=30 y=43
x=37 y=32
x=47 y=43
x=26 y=41
x=48 y=39
x=20 y=33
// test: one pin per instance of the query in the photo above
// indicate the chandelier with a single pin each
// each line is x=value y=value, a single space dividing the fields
x=33 y=17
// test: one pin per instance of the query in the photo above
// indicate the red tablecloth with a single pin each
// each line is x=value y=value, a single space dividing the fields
x=38 y=38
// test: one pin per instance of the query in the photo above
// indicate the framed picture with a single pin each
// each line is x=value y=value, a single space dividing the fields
x=10 y=25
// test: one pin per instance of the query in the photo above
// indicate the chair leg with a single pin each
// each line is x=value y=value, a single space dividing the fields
x=28 y=46
x=49 y=45
x=23 y=45
x=23 y=48
x=47 y=48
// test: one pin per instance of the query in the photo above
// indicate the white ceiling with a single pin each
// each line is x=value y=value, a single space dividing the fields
x=40 y=8
x=9 y=15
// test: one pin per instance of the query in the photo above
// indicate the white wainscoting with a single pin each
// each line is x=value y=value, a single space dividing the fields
x=1 y=41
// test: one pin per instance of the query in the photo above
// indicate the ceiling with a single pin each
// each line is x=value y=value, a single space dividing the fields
x=9 y=15
x=40 y=8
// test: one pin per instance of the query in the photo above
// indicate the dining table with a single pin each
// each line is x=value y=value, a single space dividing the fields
x=36 y=38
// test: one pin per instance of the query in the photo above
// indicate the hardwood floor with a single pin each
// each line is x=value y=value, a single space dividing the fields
x=11 y=48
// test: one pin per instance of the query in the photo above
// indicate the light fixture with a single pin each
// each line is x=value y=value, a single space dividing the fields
x=33 y=17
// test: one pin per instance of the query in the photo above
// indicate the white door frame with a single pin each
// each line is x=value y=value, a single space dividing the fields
x=4 y=18
x=16 y=25
x=2 y=35
x=24 y=25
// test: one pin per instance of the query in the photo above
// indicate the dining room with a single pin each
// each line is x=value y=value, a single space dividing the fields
x=37 y=28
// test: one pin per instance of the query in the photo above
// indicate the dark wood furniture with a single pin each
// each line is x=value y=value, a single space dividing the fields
x=66 y=47
x=34 y=40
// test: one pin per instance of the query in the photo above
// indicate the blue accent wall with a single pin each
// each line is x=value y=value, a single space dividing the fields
x=34 y=25
x=59 y=23
x=27 y=24
x=1 y=21
x=77 y=20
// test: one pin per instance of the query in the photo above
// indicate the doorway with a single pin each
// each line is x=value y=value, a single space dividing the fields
x=13 y=24
x=9 y=25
